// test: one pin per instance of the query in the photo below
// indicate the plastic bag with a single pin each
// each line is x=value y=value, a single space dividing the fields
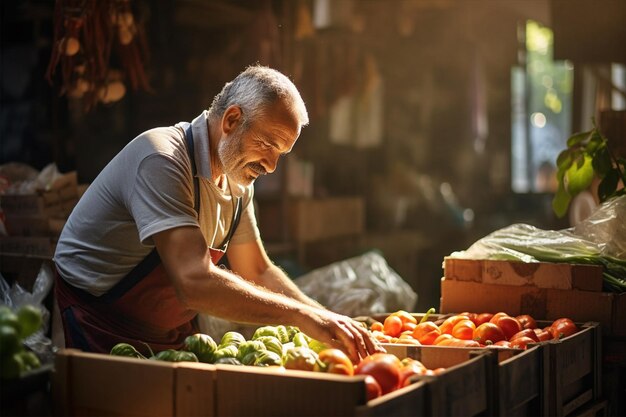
x=15 y=296
x=363 y=285
x=600 y=239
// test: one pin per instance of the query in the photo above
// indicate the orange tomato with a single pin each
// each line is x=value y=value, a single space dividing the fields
x=377 y=326
x=442 y=338
x=408 y=326
x=562 y=328
x=464 y=330
x=334 y=361
x=448 y=324
x=426 y=332
x=496 y=316
x=392 y=326
x=406 y=317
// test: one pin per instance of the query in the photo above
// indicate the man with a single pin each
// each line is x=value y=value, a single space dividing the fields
x=137 y=258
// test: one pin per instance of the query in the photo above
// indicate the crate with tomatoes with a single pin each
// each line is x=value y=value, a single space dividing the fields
x=544 y=367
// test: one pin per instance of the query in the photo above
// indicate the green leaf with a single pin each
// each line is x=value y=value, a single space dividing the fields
x=561 y=201
x=578 y=138
x=608 y=185
x=602 y=162
x=579 y=176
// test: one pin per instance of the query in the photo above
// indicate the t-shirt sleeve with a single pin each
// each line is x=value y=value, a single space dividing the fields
x=162 y=196
x=247 y=230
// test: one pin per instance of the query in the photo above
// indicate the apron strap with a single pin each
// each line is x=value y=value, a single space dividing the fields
x=153 y=259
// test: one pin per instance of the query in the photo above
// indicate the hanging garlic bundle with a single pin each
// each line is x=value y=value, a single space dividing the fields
x=85 y=33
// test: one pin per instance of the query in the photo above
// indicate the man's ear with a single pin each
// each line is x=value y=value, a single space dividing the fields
x=231 y=119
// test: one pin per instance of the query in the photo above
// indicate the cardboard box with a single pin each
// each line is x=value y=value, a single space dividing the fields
x=50 y=202
x=541 y=303
x=537 y=274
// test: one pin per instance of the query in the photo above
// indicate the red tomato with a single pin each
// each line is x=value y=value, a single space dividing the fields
x=409 y=368
x=464 y=343
x=525 y=333
x=543 y=335
x=464 y=329
x=372 y=388
x=448 y=324
x=483 y=318
x=508 y=325
x=488 y=333
x=471 y=316
x=502 y=344
x=384 y=367
x=334 y=361
x=426 y=332
x=562 y=328
x=521 y=342
x=527 y=321
x=496 y=316
x=392 y=326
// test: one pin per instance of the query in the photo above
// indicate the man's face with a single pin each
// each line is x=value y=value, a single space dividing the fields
x=247 y=154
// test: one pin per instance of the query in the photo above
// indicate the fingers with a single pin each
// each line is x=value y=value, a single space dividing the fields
x=357 y=340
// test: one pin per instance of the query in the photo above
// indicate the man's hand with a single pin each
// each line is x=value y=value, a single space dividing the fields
x=341 y=332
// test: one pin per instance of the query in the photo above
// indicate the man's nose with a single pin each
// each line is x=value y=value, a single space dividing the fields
x=271 y=163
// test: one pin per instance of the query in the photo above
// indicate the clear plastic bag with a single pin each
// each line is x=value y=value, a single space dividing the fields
x=363 y=285
x=14 y=296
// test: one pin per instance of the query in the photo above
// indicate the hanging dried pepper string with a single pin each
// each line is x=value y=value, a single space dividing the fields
x=84 y=34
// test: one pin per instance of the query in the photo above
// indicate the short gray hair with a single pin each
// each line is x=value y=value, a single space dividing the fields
x=254 y=89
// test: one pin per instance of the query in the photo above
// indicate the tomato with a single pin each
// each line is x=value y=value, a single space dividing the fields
x=562 y=328
x=442 y=338
x=372 y=388
x=483 y=318
x=471 y=316
x=408 y=339
x=464 y=329
x=496 y=316
x=334 y=361
x=376 y=326
x=543 y=335
x=392 y=326
x=409 y=368
x=426 y=332
x=508 y=325
x=384 y=367
x=465 y=343
x=405 y=317
x=408 y=326
x=488 y=333
x=530 y=333
x=521 y=342
x=527 y=321
x=502 y=344
x=448 y=324
x=381 y=337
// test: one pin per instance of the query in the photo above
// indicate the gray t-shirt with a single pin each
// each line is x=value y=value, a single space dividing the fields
x=145 y=189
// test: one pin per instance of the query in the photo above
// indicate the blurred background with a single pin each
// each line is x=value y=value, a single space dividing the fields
x=432 y=122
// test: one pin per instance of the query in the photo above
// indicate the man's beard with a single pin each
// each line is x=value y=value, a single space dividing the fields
x=230 y=155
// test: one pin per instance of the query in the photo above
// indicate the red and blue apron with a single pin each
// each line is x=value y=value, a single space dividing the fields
x=141 y=309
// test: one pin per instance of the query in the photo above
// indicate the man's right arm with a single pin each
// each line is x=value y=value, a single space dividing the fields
x=204 y=287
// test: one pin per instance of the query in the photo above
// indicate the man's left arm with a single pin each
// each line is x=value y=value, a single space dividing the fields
x=250 y=261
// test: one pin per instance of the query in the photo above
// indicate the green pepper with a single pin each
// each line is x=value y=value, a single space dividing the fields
x=231 y=338
x=173 y=355
x=283 y=334
x=30 y=360
x=317 y=346
x=300 y=339
x=267 y=358
x=300 y=358
x=292 y=331
x=248 y=347
x=227 y=361
x=272 y=344
x=202 y=345
x=251 y=357
x=11 y=366
x=266 y=331
x=229 y=351
x=125 y=349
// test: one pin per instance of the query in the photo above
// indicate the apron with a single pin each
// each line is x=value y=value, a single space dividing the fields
x=141 y=309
